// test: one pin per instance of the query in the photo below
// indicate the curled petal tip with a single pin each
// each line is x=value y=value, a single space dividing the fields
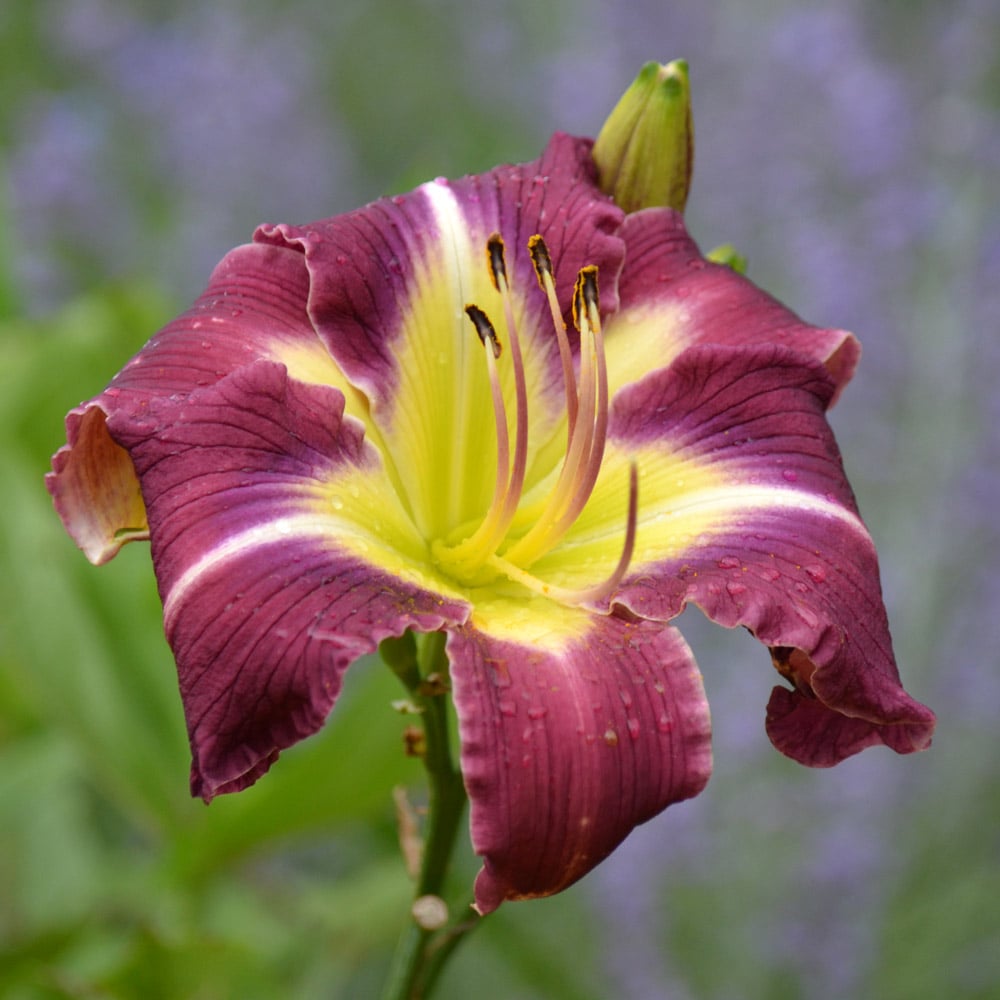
x=811 y=733
x=94 y=487
x=645 y=150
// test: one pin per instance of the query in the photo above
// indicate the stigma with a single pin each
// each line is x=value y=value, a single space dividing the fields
x=493 y=550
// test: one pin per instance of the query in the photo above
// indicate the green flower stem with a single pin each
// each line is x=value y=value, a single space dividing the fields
x=422 y=951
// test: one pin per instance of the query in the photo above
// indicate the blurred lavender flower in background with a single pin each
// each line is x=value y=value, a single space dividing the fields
x=177 y=134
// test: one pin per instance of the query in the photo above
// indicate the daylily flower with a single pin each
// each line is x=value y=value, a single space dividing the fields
x=502 y=408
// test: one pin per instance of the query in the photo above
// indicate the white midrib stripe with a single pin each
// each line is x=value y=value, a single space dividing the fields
x=281 y=529
x=752 y=498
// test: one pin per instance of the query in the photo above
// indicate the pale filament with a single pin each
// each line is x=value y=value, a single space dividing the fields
x=587 y=296
x=498 y=271
x=491 y=531
x=543 y=272
x=489 y=340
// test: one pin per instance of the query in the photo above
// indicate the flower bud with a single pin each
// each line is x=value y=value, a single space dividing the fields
x=646 y=147
x=727 y=254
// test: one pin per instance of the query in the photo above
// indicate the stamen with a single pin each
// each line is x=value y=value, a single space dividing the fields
x=488 y=338
x=497 y=260
x=543 y=272
x=571 y=595
x=484 y=328
x=472 y=550
x=498 y=271
x=587 y=296
x=602 y=590
x=586 y=447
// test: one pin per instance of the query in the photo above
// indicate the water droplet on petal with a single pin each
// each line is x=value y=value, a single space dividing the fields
x=337 y=503
x=610 y=737
x=789 y=475
x=735 y=589
x=537 y=712
x=507 y=707
x=808 y=616
x=728 y=562
x=816 y=573
x=633 y=728
x=664 y=723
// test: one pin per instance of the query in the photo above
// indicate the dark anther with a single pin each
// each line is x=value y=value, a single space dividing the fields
x=498 y=264
x=585 y=293
x=540 y=258
x=484 y=328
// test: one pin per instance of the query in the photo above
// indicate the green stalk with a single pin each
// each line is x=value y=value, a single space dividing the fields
x=422 y=952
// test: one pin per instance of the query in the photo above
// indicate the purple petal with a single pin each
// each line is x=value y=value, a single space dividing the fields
x=783 y=551
x=253 y=307
x=567 y=747
x=367 y=266
x=268 y=596
x=701 y=302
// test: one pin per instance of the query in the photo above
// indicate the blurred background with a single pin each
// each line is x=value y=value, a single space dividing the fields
x=851 y=151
